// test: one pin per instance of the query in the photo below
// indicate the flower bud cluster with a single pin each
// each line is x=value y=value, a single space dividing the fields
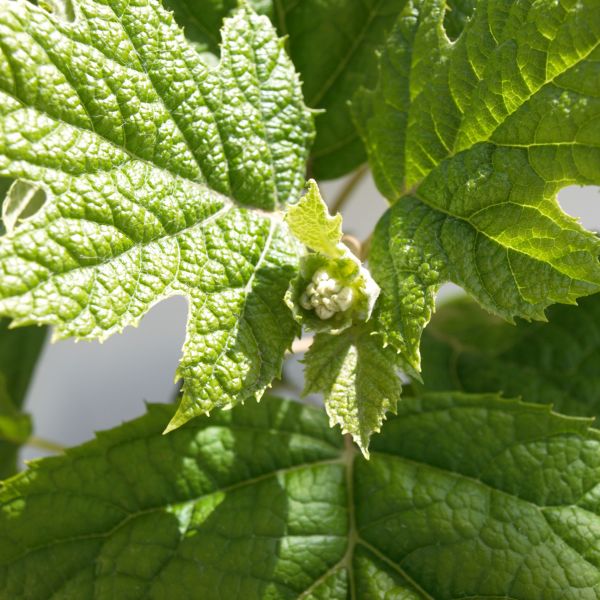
x=326 y=295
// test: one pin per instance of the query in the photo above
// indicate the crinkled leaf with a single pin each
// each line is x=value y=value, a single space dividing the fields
x=147 y=157
x=333 y=44
x=202 y=21
x=464 y=496
x=474 y=139
x=467 y=349
x=311 y=223
x=358 y=379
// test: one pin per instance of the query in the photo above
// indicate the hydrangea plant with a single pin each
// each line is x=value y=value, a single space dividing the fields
x=150 y=150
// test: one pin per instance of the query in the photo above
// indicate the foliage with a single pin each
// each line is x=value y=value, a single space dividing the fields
x=274 y=505
x=333 y=45
x=467 y=349
x=146 y=153
x=476 y=138
x=19 y=351
x=148 y=171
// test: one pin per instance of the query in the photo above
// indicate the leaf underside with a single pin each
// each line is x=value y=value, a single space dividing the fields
x=151 y=163
x=464 y=496
x=472 y=140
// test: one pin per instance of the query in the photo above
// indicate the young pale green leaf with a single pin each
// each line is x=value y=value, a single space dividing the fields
x=311 y=223
x=358 y=379
x=464 y=496
x=474 y=139
x=467 y=349
x=332 y=290
x=148 y=159
x=333 y=44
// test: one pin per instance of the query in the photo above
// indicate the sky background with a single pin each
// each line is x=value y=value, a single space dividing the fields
x=82 y=387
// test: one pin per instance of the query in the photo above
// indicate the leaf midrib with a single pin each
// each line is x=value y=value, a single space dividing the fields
x=342 y=64
x=346 y=459
x=466 y=219
x=455 y=147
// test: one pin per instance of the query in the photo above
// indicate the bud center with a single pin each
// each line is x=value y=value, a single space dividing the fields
x=326 y=295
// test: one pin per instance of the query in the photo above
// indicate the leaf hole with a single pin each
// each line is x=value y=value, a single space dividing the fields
x=582 y=203
x=23 y=200
x=456 y=16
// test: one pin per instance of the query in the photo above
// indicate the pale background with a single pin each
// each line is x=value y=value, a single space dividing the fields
x=79 y=388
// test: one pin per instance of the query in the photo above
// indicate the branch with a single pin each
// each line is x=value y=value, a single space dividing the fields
x=347 y=190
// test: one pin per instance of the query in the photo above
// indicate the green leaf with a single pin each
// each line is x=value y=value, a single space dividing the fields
x=474 y=139
x=15 y=430
x=464 y=496
x=333 y=44
x=458 y=13
x=148 y=159
x=15 y=427
x=311 y=223
x=465 y=348
x=358 y=379
x=19 y=352
x=202 y=21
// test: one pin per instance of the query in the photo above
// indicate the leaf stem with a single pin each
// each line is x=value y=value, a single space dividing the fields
x=347 y=190
x=43 y=444
x=349 y=456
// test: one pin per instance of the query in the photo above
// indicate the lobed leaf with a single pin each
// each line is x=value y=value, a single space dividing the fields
x=358 y=379
x=150 y=161
x=473 y=139
x=311 y=223
x=465 y=348
x=333 y=44
x=464 y=496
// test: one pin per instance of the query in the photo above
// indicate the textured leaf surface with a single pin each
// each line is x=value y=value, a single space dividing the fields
x=147 y=157
x=311 y=223
x=463 y=497
x=464 y=348
x=333 y=44
x=474 y=139
x=358 y=379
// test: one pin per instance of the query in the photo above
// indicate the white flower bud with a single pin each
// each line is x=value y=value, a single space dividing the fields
x=326 y=295
x=343 y=299
x=320 y=275
x=305 y=301
x=323 y=313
